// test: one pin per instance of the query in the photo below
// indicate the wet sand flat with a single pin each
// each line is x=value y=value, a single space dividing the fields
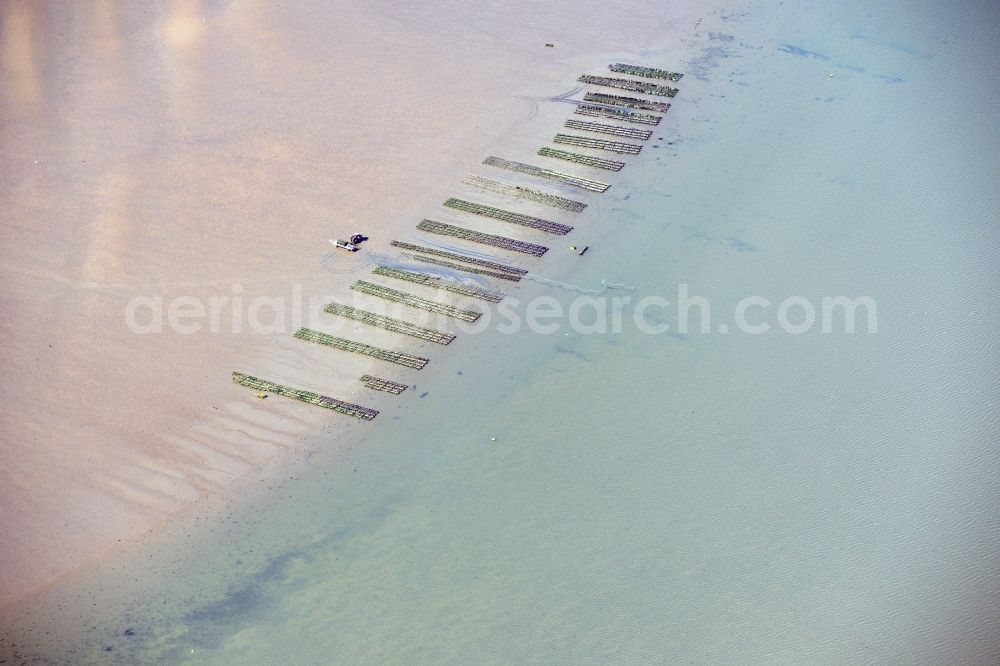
x=208 y=151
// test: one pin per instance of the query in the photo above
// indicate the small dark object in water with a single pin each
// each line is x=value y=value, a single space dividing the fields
x=357 y=239
x=130 y=632
x=585 y=248
x=550 y=45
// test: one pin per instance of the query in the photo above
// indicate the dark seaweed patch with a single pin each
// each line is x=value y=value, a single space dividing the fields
x=795 y=50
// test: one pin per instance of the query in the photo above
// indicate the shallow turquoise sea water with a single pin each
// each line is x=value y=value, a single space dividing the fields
x=683 y=498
